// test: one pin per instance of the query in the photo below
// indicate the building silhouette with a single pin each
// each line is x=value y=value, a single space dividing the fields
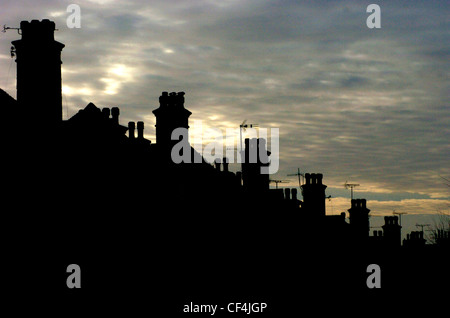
x=90 y=185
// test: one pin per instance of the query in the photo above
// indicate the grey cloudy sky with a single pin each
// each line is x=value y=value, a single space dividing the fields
x=365 y=105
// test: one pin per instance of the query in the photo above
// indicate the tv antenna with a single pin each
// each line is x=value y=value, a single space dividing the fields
x=243 y=127
x=299 y=175
x=351 y=186
x=278 y=181
x=400 y=215
x=5 y=28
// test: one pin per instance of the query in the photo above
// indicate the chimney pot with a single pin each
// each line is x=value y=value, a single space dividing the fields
x=140 y=129
x=131 y=127
x=319 y=178
x=217 y=164
x=115 y=112
x=294 y=194
x=308 y=178
x=106 y=112
x=287 y=193
x=225 y=164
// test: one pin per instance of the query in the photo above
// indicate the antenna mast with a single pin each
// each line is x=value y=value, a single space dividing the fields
x=299 y=174
x=351 y=186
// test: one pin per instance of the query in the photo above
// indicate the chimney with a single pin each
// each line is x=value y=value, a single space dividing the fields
x=172 y=98
x=131 y=127
x=217 y=164
x=225 y=164
x=38 y=58
x=169 y=117
x=140 y=130
x=307 y=178
x=106 y=112
x=115 y=112
x=287 y=193
x=319 y=178
x=163 y=99
x=180 y=99
x=294 y=194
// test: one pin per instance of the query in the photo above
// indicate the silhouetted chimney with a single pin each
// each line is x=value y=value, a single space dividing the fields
x=140 y=130
x=392 y=231
x=225 y=164
x=163 y=99
x=115 y=112
x=217 y=164
x=180 y=99
x=313 y=192
x=287 y=193
x=38 y=58
x=319 y=177
x=131 y=127
x=294 y=194
x=359 y=218
x=255 y=157
x=106 y=112
x=307 y=178
x=169 y=116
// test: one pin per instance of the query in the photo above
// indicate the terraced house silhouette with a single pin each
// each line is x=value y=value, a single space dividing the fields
x=93 y=191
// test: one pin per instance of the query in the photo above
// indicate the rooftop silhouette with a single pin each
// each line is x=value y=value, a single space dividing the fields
x=93 y=190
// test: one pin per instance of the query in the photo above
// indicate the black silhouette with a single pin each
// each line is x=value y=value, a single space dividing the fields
x=91 y=191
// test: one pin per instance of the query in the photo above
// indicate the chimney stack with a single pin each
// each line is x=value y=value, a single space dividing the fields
x=38 y=58
x=115 y=112
x=106 y=112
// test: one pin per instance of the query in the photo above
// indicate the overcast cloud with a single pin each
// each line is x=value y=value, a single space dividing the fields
x=365 y=105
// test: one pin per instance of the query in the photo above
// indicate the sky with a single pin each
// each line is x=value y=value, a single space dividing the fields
x=366 y=106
